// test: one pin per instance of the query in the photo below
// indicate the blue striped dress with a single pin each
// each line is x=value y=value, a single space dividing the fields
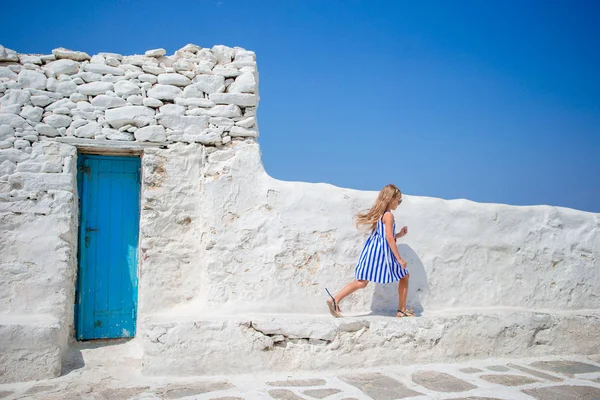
x=377 y=262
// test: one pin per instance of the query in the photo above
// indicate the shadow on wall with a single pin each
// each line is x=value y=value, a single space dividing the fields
x=385 y=297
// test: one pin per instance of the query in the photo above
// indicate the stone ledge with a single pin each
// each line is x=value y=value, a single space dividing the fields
x=32 y=348
x=237 y=344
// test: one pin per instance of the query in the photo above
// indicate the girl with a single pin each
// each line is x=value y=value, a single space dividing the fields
x=379 y=260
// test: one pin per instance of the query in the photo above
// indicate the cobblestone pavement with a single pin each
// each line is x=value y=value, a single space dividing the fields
x=548 y=378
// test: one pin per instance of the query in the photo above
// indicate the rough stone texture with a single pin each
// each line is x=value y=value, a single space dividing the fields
x=565 y=393
x=289 y=343
x=508 y=380
x=441 y=382
x=568 y=368
x=379 y=386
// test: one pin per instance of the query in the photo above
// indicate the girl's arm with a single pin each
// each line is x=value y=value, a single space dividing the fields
x=388 y=220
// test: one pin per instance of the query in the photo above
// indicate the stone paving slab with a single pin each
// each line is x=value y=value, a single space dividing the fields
x=379 y=386
x=284 y=394
x=569 y=368
x=321 y=393
x=470 y=370
x=498 y=368
x=535 y=373
x=565 y=393
x=441 y=382
x=508 y=380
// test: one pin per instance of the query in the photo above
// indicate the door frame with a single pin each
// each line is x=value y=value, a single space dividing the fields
x=81 y=155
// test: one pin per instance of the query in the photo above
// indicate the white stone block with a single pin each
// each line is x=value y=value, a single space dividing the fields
x=57 y=121
x=126 y=88
x=172 y=109
x=207 y=84
x=88 y=130
x=238 y=131
x=229 y=111
x=30 y=59
x=62 y=53
x=12 y=120
x=15 y=97
x=155 y=53
x=32 y=79
x=135 y=100
x=113 y=134
x=245 y=83
x=151 y=102
x=190 y=47
x=8 y=55
x=105 y=101
x=247 y=122
x=227 y=72
x=90 y=77
x=7 y=73
x=148 y=78
x=240 y=99
x=46 y=130
x=173 y=79
x=95 y=88
x=134 y=115
x=153 y=69
x=66 y=88
x=77 y=97
x=223 y=54
x=165 y=92
x=32 y=114
x=104 y=69
x=154 y=133
x=184 y=123
x=59 y=67
x=63 y=103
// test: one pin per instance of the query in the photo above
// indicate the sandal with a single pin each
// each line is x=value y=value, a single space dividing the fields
x=408 y=313
x=333 y=306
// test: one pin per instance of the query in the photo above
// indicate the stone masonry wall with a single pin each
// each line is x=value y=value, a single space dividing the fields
x=197 y=95
x=54 y=105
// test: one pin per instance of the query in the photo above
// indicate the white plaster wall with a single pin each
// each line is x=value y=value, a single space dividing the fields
x=264 y=245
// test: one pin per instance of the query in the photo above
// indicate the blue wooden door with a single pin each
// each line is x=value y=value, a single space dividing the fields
x=109 y=193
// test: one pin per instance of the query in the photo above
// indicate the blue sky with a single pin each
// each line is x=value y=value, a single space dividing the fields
x=492 y=101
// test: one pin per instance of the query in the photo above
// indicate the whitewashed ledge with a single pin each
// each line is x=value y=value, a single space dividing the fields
x=187 y=346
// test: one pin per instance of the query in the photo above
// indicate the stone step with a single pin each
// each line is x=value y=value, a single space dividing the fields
x=32 y=347
x=192 y=345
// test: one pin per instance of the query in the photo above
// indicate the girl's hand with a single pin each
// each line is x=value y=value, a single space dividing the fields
x=402 y=263
x=402 y=232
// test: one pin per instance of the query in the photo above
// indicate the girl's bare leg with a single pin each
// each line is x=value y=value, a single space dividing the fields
x=403 y=294
x=349 y=289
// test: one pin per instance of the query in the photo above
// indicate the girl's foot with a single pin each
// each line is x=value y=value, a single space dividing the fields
x=333 y=308
x=407 y=313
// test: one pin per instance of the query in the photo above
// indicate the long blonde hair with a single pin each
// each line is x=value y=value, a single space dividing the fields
x=369 y=218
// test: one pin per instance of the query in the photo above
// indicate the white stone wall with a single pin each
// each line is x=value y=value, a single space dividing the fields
x=51 y=106
x=197 y=95
x=271 y=246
